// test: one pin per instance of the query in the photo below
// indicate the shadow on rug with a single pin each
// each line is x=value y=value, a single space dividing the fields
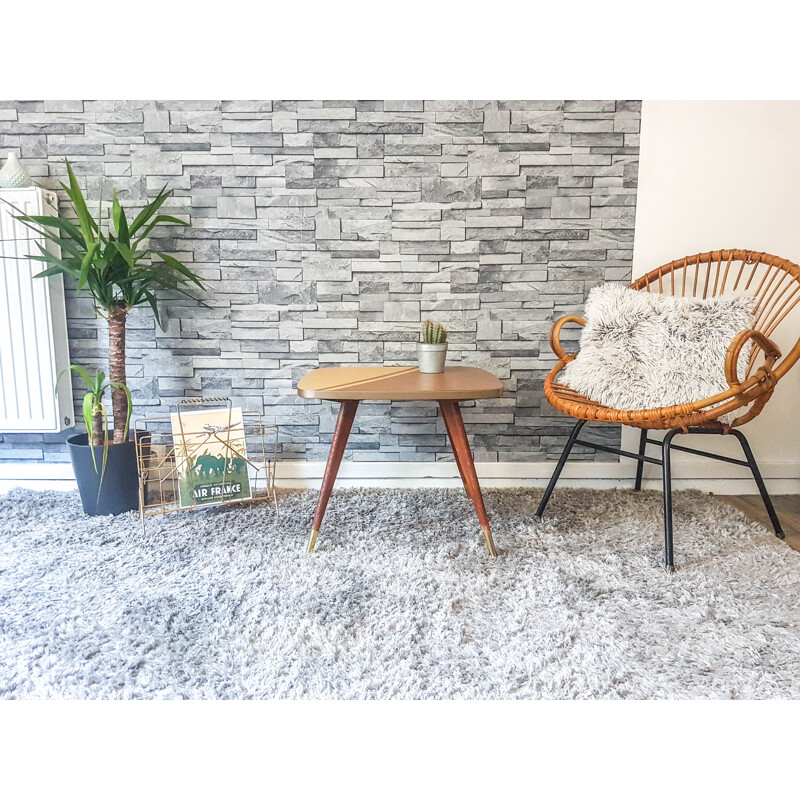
x=401 y=600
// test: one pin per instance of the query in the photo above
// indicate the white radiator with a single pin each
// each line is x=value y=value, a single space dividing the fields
x=33 y=324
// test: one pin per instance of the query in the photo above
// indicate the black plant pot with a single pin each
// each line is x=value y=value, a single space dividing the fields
x=119 y=491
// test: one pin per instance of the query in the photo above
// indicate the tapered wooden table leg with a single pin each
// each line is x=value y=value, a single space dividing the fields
x=347 y=413
x=456 y=455
x=458 y=438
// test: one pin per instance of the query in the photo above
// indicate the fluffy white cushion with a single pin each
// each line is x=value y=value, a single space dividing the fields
x=644 y=350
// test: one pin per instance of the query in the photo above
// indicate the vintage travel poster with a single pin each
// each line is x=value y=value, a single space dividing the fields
x=210 y=456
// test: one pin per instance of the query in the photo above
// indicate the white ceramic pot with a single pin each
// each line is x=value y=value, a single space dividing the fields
x=431 y=357
x=14 y=175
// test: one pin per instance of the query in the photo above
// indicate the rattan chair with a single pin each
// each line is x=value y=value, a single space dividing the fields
x=775 y=283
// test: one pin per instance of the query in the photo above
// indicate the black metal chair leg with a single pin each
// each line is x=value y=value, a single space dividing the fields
x=751 y=461
x=667 y=473
x=637 y=487
x=559 y=467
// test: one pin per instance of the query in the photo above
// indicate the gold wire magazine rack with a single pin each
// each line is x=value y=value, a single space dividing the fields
x=160 y=451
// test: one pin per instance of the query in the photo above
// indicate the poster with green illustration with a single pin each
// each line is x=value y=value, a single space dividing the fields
x=210 y=456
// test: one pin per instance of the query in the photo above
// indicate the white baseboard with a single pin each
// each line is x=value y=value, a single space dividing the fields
x=705 y=475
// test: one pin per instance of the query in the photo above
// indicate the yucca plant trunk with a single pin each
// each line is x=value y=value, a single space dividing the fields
x=98 y=431
x=117 y=317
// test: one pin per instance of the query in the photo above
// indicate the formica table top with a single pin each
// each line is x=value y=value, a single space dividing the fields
x=399 y=383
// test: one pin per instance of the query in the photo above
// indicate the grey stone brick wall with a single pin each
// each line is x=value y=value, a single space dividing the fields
x=328 y=229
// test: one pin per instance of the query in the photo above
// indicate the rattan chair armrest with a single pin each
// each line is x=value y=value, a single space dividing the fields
x=555 y=336
x=771 y=354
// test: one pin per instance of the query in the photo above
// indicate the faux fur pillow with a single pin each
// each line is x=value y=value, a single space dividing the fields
x=646 y=350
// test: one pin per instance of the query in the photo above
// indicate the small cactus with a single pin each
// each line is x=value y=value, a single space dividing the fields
x=433 y=333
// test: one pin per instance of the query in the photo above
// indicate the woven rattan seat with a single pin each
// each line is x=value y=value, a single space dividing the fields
x=581 y=407
x=775 y=284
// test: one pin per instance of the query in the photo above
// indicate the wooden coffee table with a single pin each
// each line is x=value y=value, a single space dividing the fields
x=349 y=385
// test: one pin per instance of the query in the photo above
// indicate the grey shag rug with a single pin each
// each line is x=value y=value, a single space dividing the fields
x=401 y=600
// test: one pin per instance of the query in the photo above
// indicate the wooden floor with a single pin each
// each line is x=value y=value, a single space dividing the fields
x=787 y=506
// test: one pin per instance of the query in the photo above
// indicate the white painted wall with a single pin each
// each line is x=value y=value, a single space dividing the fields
x=726 y=174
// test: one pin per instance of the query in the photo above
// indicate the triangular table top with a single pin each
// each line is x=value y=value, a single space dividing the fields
x=398 y=383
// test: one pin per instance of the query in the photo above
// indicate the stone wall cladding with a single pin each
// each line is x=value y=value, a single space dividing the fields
x=328 y=229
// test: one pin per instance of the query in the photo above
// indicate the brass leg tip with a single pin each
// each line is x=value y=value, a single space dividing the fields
x=670 y=568
x=312 y=542
x=487 y=534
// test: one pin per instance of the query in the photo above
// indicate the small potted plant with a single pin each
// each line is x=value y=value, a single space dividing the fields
x=432 y=349
x=112 y=261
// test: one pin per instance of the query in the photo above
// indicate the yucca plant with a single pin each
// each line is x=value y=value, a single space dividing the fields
x=112 y=261
x=433 y=332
